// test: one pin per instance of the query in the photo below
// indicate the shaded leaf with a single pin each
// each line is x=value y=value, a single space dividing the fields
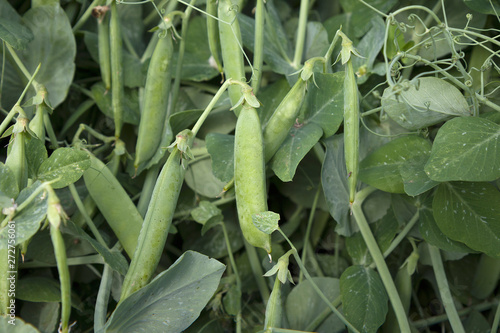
x=221 y=150
x=130 y=106
x=12 y=30
x=38 y=289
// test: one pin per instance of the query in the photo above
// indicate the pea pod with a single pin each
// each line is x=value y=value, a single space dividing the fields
x=118 y=94
x=158 y=218
x=114 y=204
x=232 y=55
x=274 y=309
x=213 y=34
x=277 y=128
x=155 y=100
x=249 y=176
x=103 y=42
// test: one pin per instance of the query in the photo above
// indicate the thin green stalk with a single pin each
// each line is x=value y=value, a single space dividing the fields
x=147 y=189
x=301 y=33
x=18 y=62
x=314 y=324
x=65 y=283
x=315 y=286
x=444 y=290
x=257 y=271
x=258 y=51
x=82 y=108
x=154 y=13
x=87 y=14
x=49 y=130
x=308 y=230
x=75 y=261
x=235 y=269
x=496 y=320
x=378 y=258
x=180 y=58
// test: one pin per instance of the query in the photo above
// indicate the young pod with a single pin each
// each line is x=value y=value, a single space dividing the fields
x=114 y=204
x=277 y=128
x=104 y=51
x=155 y=100
x=250 y=176
x=118 y=94
x=158 y=219
x=213 y=34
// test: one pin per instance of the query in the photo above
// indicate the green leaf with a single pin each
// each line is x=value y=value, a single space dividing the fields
x=232 y=300
x=297 y=144
x=490 y=7
x=205 y=211
x=12 y=30
x=369 y=47
x=130 y=106
x=44 y=316
x=36 y=154
x=16 y=325
x=469 y=213
x=325 y=102
x=466 y=149
x=415 y=180
x=8 y=185
x=201 y=179
x=381 y=168
x=113 y=258
x=384 y=231
x=184 y=119
x=360 y=15
x=173 y=300
x=221 y=150
x=211 y=223
x=67 y=164
x=316 y=40
x=301 y=316
x=364 y=299
x=266 y=222
x=415 y=104
x=38 y=289
x=50 y=24
x=271 y=96
x=29 y=219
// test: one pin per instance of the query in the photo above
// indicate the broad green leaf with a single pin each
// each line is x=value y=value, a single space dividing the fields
x=211 y=223
x=66 y=165
x=205 y=211
x=369 y=47
x=297 y=144
x=50 y=25
x=131 y=105
x=384 y=231
x=221 y=150
x=201 y=179
x=275 y=29
x=232 y=300
x=184 y=119
x=360 y=15
x=173 y=300
x=416 y=181
x=465 y=149
x=381 y=168
x=316 y=40
x=44 y=316
x=325 y=102
x=38 y=289
x=132 y=27
x=469 y=213
x=266 y=222
x=12 y=30
x=270 y=97
x=476 y=322
x=301 y=316
x=16 y=325
x=28 y=220
x=415 y=105
x=8 y=185
x=491 y=7
x=433 y=235
x=113 y=258
x=36 y=154
x=364 y=299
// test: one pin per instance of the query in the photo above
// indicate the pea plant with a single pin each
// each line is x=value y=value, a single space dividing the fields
x=250 y=166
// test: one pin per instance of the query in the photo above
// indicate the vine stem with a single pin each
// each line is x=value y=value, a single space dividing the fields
x=301 y=33
x=378 y=258
x=259 y=45
x=308 y=231
x=444 y=290
x=257 y=271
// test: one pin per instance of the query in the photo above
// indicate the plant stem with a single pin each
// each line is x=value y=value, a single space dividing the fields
x=496 y=320
x=301 y=33
x=378 y=258
x=258 y=52
x=444 y=290
x=257 y=271
x=308 y=231
x=87 y=14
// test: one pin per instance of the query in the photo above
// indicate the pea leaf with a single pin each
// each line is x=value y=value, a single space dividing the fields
x=468 y=212
x=201 y=179
x=425 y=102
x=416 y=181
x=19 y=327
x=12 y=30
x=325 y=102
x=381 y=168
x=266 y=222
x=36 y=154
x=316 y=40
x=68 y=164
x=360 y=15
x=205 y=211
x=38 y=289
x=300 y=316
x=298 y=143
x=483 y=6
x=221 y=150
x=131 y=105
x=173 y=300
x=364 y=299
x=27 y=221
x=466 y=149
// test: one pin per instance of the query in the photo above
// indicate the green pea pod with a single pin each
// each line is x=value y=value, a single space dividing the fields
x=250 y=176
x=16 y=157
x=36 y=123
x=155 y=101
x=274 y=309
x=114 y=204
x=351 y=129
x=158 y=220
x=104 y=51
x=118 y=94
x=232 y=55
x=213 y=34
x=277 y=128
